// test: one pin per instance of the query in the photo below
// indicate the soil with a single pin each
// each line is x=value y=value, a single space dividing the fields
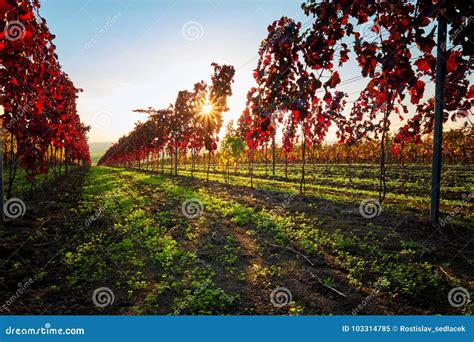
x=35 y=244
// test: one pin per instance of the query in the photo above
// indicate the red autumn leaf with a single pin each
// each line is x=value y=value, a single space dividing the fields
x=470 y=94
x=396 y=150
x=334 y=80
x=451 y=63
x=26 y=16
x=422 y=65
x=327 y=97
x=376 y=28
x=296 y=115
x=417 y=91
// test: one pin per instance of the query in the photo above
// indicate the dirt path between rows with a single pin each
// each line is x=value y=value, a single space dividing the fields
x=452 y=242
x=32 y=247
x=261 y=265
x=453 y=245
x=246 y=261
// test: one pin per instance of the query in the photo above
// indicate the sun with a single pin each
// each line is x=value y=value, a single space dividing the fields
x=206 y=109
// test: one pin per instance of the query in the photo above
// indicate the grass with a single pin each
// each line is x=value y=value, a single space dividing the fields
x=129 y=234
x=403 y=272
x=135 y=242
x=408 y=187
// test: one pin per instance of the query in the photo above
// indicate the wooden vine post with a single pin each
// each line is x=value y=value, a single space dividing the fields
x=438 y=124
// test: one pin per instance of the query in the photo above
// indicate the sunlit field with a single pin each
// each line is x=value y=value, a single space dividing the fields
x=236 y=158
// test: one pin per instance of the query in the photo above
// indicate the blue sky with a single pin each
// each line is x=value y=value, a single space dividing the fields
x=133 y=54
